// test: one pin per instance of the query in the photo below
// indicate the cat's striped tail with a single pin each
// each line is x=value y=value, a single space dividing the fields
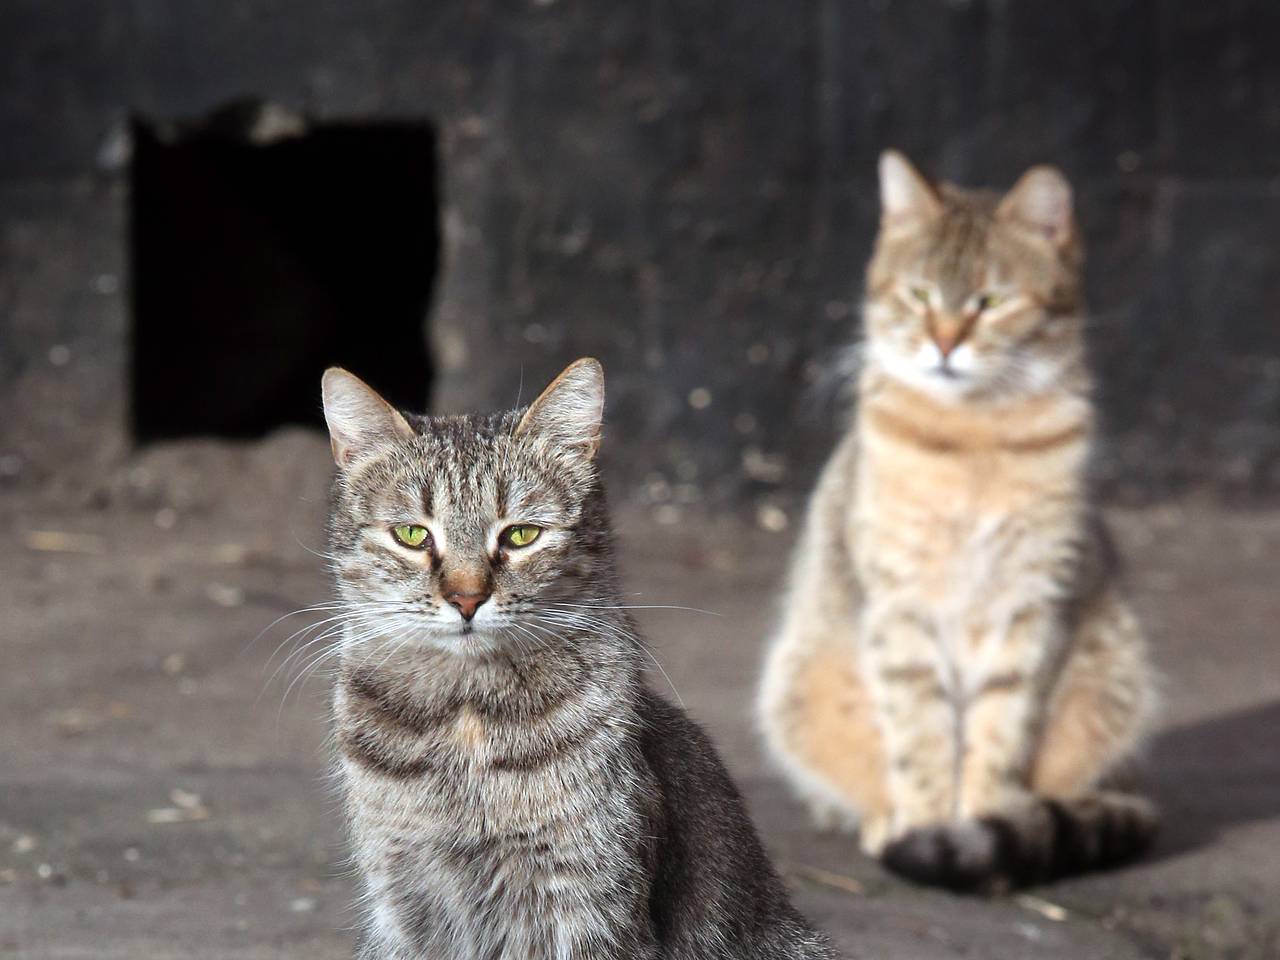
x=1040 y=841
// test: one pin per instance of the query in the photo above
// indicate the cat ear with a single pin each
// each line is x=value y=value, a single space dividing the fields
x=359 y=420
x=1041 y=201
x=571 y=409
x=904 y=193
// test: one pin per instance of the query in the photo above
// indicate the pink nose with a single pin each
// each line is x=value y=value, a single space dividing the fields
x=466 y=603
x=947 y=339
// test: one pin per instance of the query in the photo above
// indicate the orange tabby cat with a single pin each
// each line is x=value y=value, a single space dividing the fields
x=956 y=670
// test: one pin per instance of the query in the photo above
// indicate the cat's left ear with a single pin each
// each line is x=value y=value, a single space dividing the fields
x=571 y=409
x=1041 y=202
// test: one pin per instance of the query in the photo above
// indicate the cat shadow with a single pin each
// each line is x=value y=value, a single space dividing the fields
x=1214 y=774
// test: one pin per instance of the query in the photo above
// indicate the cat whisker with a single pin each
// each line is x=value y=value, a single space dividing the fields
x=302 y=673
x=302 y=653
x=611 y=629
x=633 y=606
x=314 y=608
x=343 y=617
x=327 y=626
x=527 y=637
x=340 y=605
x=396 y=639
x=365 y=624
x=315 y=553
x=329 y=653
x=331 y=633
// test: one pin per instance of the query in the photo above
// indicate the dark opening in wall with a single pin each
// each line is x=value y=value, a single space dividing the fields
x=266 y=248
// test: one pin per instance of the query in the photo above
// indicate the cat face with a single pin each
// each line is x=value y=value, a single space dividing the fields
x=969 y=294
x=466 y=533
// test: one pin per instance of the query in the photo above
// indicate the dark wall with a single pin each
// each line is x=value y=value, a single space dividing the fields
x=247 y=267
x=686 y=190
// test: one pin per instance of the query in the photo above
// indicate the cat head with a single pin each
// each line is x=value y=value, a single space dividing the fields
x=970 y=294
x=467 y=533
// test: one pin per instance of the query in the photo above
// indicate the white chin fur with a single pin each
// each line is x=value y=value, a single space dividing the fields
x=446 y=631
x=923 y=371
x=477 y=640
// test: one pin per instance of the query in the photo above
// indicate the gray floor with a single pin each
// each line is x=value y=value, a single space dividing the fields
x=162 y=796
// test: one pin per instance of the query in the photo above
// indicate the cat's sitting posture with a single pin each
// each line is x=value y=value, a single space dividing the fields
x=956 y=671
x=515 y=790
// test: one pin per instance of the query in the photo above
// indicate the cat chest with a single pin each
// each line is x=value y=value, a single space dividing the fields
x=399 y=736
x=957 y=561
x=496 y=865
x=466 y=773
x=962 y=532
x=469 y=765
x=966 y=577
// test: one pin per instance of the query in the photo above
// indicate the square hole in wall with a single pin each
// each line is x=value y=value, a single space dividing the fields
x=264 y=248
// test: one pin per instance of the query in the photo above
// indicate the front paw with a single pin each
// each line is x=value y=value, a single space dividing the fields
x=874 y=834
x=829 y=816
x=882 y=831
x=962 y=856
x=992 y=800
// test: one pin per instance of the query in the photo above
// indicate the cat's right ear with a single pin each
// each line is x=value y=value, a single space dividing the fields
x=905 y=195
x=360 y=422
x=570 y=411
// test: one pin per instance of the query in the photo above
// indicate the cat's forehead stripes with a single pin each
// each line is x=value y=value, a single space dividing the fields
x=964 y=251
x=957 y=263
x=954 y=252
x=465 y=474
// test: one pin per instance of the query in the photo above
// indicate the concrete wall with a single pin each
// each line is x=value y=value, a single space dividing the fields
x=686 y=190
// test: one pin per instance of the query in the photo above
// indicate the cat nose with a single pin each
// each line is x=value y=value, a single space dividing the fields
x=466 y=603
x=947 y=336
x=945 y=342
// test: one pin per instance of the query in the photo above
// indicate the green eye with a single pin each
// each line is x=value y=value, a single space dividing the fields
x=988 y=300
x=921 y=294
x=521 y=535
x=411 y=535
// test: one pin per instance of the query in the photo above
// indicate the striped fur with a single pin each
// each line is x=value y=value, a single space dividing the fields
x=514 y=789
x=956 y=671
x=1035 y=842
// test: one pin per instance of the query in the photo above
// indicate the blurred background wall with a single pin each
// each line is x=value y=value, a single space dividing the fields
x=685 y=190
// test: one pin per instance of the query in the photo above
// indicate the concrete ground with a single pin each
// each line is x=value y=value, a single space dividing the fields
x=162 y=795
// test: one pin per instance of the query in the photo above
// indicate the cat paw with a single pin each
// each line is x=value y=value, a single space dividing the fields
x=993 y=801
x=958 y=856
x=875 y=834
x=880 y=832
x=827 y=816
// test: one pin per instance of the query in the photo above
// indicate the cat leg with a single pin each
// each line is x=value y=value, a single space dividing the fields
x=1003 y=715
x=965 y=846
x=1101 y=706
x=1098 y=709
x=917 y=718
x=818 y=718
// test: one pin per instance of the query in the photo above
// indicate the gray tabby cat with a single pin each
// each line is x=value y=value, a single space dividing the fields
x=515 y=790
